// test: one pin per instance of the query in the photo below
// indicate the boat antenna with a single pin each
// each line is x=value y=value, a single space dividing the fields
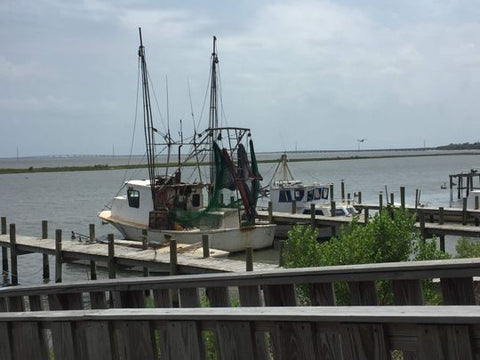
x=147 y=117
x=213 y=118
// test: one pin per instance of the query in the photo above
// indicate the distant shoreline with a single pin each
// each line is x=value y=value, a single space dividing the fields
x=104 y=167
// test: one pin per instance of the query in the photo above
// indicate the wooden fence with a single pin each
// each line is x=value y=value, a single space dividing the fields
x=359 y=332
x=260 y=313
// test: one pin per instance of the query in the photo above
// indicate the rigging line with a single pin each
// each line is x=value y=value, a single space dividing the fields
x=223 y=118
x=207 y=90
x=156 y=101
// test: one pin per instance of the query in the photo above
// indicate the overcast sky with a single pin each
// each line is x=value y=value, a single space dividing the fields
x=301 y=74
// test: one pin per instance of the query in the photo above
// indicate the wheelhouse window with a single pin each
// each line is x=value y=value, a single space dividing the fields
x=299 y=195
x=325 y=191
x=133 y=198
x=285 y=196
x=196 y=200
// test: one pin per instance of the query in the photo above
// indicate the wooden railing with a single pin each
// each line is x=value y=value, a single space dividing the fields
x=359 y=332
x=455 y=279
x=261 y=315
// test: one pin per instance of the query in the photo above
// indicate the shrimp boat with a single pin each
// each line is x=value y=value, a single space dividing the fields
x=211 y=189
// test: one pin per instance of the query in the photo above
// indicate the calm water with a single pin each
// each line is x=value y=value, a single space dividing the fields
x=71 y=200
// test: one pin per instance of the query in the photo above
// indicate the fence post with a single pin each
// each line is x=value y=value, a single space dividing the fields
x=46 y=265
x=58 y=256
x=112 y=271
x=92 y=240
x=249 y=258
x=13 y=255
x=206 y=245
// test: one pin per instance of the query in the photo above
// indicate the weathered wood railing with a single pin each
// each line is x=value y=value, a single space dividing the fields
x=79 y=324
x=422 y=332
x=272 y=288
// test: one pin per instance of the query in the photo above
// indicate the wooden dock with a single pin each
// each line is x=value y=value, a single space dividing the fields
x=118 y=254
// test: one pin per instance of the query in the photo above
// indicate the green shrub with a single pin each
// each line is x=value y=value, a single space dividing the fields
x=388 y=237
x=467 y=248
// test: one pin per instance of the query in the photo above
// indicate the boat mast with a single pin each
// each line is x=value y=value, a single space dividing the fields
x=213 y=117
x=147 y=118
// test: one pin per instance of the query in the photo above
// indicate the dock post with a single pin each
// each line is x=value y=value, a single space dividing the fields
x=402 y=197
x=342 y=190
x=249 y=258
x=294 y=206
x=281 y=255
x=380 y=202
x=441 y=215
x=270 y=212
x=173 y=254
x=13 y=255
x=331 y=192
x=365 y=216
x=58 y=256
x=112 y=273
x=92 y=240
x=46 y=265
x=4 y=249
x=464 y=211
x=206 y=245
x=392 y=199
x=332 y=208
x=442 y=242
x=312 y=215
x=145 y=247
x=421 y=216
x=359 y=197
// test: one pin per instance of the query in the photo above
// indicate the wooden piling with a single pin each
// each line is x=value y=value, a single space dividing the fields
x=206 y=245
x=312 y=215
x=392 y=199
x=402 y=197
x=332 y=208
x=380 y=202
x=359 y=197
x=249 y=258
x=173 y=254
x=441 y=215
x=112 y=273
x=92 y=240
x=46 y=265
x=4 y=249
x=464 y=211
x=421 y=216
x=348 y=199
x=342 y=190
x=145 y=247
x=442 y=242
x=476 y=202
x=331 y=192
x=270 y=212
x=58 y=256
x=281 y=254
x=366 y=216
x=13 y=256
x=294 y=206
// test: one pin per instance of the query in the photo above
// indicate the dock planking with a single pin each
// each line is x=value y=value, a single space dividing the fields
x=190 y=260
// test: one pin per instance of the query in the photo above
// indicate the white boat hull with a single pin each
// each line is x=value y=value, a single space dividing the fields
x=227 y=239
